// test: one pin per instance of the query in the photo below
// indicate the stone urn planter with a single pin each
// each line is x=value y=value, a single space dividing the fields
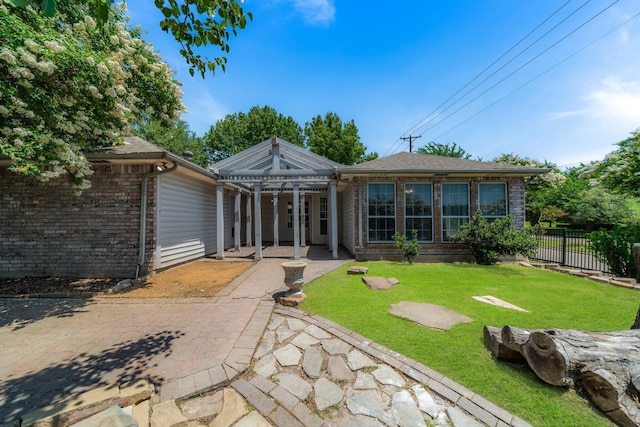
x=294 y=277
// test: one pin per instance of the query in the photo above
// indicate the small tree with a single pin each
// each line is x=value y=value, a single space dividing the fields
x=614 y=248
x=409 y=248
x=489 y=240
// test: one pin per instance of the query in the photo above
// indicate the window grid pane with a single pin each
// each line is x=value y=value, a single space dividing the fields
x=455 y=208
x=492 y=199
x=382 y=212
x=419 y=211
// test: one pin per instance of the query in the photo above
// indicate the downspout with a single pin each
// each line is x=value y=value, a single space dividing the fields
x=143 y=213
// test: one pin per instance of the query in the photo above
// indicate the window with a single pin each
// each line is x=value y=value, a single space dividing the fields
x=304 y=217
x=324 y=215
x=455 y=208
x=418 y=212
x=382 y=212
x=492 y=200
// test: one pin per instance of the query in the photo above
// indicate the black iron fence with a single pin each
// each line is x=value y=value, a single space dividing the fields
x=567 y=247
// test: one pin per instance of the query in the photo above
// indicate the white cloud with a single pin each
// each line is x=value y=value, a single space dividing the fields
x=616 y=100
x=316 y=12
x=204 y=112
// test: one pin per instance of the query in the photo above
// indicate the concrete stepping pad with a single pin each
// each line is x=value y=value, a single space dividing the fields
x=489 y=299
x=377 y=283
x=429 y=315
x=357 y=269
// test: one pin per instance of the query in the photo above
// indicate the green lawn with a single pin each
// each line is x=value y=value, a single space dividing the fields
x=554 y=300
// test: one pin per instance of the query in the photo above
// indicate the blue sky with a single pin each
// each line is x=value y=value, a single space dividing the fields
x=567 y=98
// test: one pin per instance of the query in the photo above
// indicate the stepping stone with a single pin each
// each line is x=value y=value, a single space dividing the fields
x=459 y=418
x=288 y=355
x=283 y=334
x=317 y=332
x=304 y=340
x=294 y=385
x=338 y=369
x=296 y=324
x=167 y=414
x=266 y=344
x=253 y=419
x=377 y=283
x=426 y=402
x=393 y=281
x=360 y=423
x=404 y=410
x=357 y=269
x=429 y=315
x=327 y=394
x=266 y=366
x=365 y=381
x=234 y=407
x=489 y=299
x=335 y=346
x=364 y=404
x=113 y=417
x=204 y=406
x=357 y=360
x=276 y=321
x=312 y=362
x=386 y=375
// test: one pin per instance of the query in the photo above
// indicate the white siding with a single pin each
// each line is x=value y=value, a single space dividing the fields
x=186 y=227
x=348 y=218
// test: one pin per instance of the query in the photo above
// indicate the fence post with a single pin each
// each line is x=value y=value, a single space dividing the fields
x=564 y=246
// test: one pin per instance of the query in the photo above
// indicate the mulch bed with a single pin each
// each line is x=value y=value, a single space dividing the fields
x=32 y=286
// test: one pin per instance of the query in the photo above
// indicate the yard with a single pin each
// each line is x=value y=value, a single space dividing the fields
x=554 y=300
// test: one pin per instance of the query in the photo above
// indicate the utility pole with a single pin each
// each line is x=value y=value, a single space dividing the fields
x=410 y=138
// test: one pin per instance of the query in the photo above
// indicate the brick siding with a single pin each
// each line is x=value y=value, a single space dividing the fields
x=46 y=230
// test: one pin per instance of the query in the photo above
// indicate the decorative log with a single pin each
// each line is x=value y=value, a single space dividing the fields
x=613 y=395
x=635 y=251
x=636 y=322
x=493 y=339
x=514 y=338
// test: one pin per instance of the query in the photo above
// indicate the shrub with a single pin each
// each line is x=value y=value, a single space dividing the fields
x=614 y=247
x=409 y=248
x=490 y=240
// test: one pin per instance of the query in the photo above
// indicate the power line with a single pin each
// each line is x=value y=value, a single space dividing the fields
x=410 y=138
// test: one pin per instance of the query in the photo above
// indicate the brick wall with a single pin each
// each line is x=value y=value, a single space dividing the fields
x=437 y=251
x=46 y=230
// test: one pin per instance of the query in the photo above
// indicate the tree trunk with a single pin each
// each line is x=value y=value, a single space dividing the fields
x=493 y=339
x=636 y=323
x=635 y=250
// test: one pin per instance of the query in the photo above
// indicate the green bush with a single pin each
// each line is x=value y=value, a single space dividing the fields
x=614 y=247
x=490 y=240
x=409 y=248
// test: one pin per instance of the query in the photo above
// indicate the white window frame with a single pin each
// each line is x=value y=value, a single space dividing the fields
x=407 y=231
x=395 y=211
x=506 y=200
x=443 y=217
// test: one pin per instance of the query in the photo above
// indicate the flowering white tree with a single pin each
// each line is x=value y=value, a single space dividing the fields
x=68 y=86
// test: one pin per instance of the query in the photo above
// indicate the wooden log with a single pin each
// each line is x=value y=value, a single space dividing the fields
x=614 y=395
x=514 y=338
x=493 y=340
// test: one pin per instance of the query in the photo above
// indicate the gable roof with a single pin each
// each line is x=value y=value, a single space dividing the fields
x=426 y=164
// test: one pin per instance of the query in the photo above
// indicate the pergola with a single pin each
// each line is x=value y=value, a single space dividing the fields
x=274 y=167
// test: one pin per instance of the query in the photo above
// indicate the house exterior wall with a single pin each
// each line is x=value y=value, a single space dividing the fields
x=349 y=207
x=46 y=230
x=436 y=251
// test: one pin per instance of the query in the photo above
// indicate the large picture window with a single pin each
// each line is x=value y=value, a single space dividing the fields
x=455 y=208
x=382 y=212
x=418 y=211
x=492 y=200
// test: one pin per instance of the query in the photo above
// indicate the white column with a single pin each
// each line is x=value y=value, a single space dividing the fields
x=329 y=228
x=303 y=237
x=296 y=221
x=237 y=227
x=248 y=220
x=220 y=220
x=334 y=220
x=276 y=235
x=258 y=219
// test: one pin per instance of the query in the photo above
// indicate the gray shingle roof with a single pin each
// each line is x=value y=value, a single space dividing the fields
x=417 y=163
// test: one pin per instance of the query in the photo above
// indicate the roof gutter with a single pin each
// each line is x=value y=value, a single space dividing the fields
x=143 y=213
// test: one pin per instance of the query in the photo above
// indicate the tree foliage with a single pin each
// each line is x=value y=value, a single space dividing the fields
x=176 y=139
x=409 y=248
x=328 y=137
x=490 y=240
x=239 y=131
x=614 y=248
x=194 y=24
x=70 y=86
x=445 y=150
x=620 y=169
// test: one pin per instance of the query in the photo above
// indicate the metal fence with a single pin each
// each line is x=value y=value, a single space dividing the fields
x=570 y=248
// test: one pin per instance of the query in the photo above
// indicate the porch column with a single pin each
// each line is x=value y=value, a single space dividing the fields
x=334 y=220
x=276 y=236
x=220 y=220
x=237 y=227
x=248 y=220
x=296 y=221
x=303 y=237
x=258 y=215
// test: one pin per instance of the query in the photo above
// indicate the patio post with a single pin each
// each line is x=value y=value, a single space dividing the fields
x=276 y=236
x=334 y=220
x=296 y=221
x=303 y=212
x=248 y=220
x=220 y=220
x=258 y=227
x=237 y=228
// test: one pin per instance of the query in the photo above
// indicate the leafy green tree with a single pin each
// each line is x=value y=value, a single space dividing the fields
x=614 y=248
x=409 y=248
x=70 y=86
x=597 y=206
x=620 y=169
x=194 y=24
x=445 y=150
x=330 y=138
x=490 y=240
x=239 y=131
x=176 y=139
